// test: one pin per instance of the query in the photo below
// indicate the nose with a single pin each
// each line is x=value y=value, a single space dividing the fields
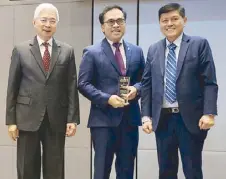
x=47 y=24
x=115 y=24
x=169 y=23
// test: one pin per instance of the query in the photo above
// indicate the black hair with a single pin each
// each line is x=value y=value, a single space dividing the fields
x=109 y=8
x=172 y=7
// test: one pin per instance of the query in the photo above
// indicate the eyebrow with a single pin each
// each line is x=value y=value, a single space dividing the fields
x=47 y=17
x=170 y=17
x=116 y=18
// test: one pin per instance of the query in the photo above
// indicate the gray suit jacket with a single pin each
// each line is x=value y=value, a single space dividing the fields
x=31 y=91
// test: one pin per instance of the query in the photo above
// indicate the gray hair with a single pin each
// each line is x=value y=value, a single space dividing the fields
x=43 y=6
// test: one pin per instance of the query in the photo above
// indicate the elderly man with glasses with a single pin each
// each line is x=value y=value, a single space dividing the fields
x=42 y=98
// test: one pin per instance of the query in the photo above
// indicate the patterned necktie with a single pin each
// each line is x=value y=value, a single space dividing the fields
x=171 y=70
x=46 y=57
x=119 y=59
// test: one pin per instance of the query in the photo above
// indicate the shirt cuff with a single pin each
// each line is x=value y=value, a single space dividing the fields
x=146 y=119
x=213 y=115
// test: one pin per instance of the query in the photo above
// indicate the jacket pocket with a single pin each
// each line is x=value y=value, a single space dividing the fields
x=23 y=100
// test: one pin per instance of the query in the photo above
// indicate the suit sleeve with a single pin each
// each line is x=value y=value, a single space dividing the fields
x=73 y=106
x=208 y=78
x=146 y=89
x=139 y=76
x=14 y=81
x=86 y=81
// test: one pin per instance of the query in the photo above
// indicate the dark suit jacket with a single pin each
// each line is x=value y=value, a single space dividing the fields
x=31 y=91
x=98 y=80
x=196 y=83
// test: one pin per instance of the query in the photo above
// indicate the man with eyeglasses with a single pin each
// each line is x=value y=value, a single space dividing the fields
x=114 y=115
x=42 y=99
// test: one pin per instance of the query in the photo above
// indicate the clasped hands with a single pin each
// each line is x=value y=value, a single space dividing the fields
x=117 y=102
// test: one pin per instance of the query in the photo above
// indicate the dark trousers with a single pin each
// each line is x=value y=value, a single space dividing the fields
x=172 y=135
x=122 y=141
x=29 y=153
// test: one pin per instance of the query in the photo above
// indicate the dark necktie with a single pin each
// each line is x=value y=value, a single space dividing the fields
x=46 y=57
x=119 y=59
x=171 y=70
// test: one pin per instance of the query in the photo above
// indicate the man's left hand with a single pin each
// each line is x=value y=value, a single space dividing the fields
x=71 y=129
x=206 y=122
x=132 y=92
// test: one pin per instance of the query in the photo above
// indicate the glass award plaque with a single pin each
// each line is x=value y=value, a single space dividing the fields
x=124 y=81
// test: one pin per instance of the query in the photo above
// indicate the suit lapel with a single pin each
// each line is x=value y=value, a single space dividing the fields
x=54 y=56
x=109 y=53
x=37 y=54
x=162 y=57
x=182 y=53
x=128 y=55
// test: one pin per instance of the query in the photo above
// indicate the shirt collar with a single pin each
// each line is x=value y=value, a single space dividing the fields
x=177 y=42
x=40 y=41
x=111 y=43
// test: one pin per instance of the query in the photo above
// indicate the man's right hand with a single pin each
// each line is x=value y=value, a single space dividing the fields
x=116 y=102
x=13 y=132
x=147 y=127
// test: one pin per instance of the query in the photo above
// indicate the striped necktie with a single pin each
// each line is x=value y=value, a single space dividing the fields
x=171 y=70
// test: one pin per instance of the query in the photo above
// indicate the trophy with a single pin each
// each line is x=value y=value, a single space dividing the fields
x=124 y=81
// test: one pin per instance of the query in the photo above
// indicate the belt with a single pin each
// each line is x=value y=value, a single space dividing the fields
x=171 y=110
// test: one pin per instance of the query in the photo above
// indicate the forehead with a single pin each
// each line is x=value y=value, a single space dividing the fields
x=50 y=13
x=113 y=14
x=170 y=14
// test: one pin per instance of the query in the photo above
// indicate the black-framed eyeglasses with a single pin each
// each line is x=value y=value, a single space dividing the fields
x=112 y=22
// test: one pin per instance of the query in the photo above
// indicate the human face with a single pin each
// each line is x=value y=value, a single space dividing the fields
x=45 y=24
x=114 y=25
x=172 y=25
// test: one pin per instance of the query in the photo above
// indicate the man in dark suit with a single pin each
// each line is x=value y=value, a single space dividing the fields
x=113 y=122
x=179 y=95
x=42 y=98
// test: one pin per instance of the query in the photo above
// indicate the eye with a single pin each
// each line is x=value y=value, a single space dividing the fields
x=111 y=21
x=120 y=21
x=43 y=20
x=52 y=21
x=164 y=21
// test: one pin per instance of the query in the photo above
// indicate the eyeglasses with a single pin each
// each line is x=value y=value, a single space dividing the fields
x=45 y=20
x=112 y=22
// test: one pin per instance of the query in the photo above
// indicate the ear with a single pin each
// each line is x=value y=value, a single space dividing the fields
x=102 y=28
x=185 y=20
x=33 y=22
